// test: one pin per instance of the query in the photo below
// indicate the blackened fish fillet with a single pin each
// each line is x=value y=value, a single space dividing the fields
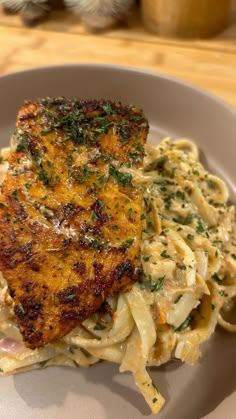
x=70 y=216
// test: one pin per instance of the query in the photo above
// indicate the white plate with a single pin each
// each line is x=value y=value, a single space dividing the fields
x=100 y=392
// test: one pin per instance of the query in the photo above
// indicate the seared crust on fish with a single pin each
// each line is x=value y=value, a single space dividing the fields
x=70 y=214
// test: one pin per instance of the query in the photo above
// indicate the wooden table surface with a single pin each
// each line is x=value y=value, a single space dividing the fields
x=210 y=64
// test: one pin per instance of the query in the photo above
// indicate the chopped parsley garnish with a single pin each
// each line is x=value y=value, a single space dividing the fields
x=138 y=146
x=95 y=244
x=184 y=220
x=101 y=179
x=168 y=199
x=164 y=254
x=127 y=243
x=211 y=184
x=14 y=195
x=69 y=160
x=99 y=326
x=104 y=126
x=156 y=286
x=181 y=195
x=157 y=164
x=135 y=156
x=185 y=324
x=80 y=174
x=73 y=348
x=23 y=143
x=154 y=386
x=100 y=202
x=233 y=255
x=108 y=109
x=38 y=160
x=217 y=278
x=164 y=182
x=93 y=216
x=46 y=131
x=44 y=176
x=200 y=228
x=146 y=202
x=123 y=179
x=146 y=258
x=178 y=298
x=151 y=285
x=190 y=236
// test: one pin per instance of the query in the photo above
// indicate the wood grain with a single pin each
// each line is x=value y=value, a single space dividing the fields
x=186 y=18
x=66 y=22
x=23 y=48
x=210 y=64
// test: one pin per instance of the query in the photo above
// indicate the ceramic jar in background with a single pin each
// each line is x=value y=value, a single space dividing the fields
x=186 y=18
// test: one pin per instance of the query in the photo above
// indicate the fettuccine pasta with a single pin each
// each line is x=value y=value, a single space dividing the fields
x=187 y=288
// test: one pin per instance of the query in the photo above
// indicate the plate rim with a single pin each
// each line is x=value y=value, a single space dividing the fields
x=130 y=69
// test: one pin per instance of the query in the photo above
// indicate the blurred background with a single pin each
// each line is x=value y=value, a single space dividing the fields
x=194 y=40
